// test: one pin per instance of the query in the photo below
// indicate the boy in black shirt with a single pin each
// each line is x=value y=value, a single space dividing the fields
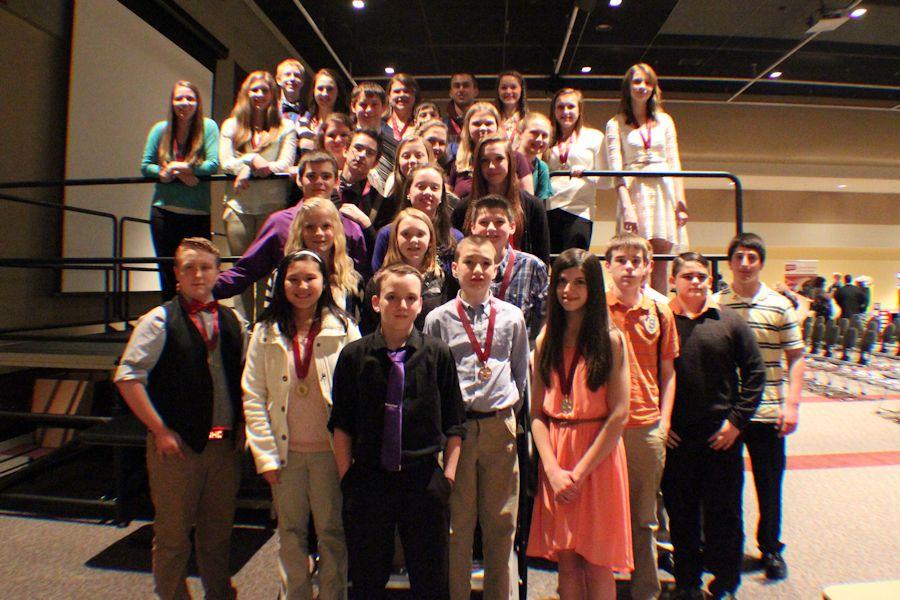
x=397 y=405
x=704 y=468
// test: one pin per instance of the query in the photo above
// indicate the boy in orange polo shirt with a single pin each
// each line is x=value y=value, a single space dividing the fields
x=649 y=328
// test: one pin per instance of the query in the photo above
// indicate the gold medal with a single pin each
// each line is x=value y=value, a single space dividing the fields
x=566 y=404
x=303 y=388
x=484 y=373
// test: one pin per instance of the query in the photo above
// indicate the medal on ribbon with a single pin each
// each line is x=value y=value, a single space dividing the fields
x=301 y=364
x=484 y=373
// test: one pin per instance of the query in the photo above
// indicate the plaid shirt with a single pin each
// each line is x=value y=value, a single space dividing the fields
x=527 y=288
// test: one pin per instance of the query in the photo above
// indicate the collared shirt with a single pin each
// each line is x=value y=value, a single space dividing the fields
x=527 y=288
x=649 y=328
x=715 y=345
x=146 y=344
x=773 y=321
x=432 y=406
x=508 y=361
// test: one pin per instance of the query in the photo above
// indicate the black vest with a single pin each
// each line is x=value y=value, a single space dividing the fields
x=180 y=385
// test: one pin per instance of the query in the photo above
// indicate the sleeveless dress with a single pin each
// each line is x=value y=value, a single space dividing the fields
x=597 y=525
x=654 y=198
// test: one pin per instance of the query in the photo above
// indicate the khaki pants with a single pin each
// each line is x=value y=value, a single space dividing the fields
x=195 y=491
x=486 y=491
x=309 y=482
x=645 y=450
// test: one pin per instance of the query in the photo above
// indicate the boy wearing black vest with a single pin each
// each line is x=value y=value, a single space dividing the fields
x=181 y=376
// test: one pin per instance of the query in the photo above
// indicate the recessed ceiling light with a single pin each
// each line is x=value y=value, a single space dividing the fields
x=585 y=69
x=389 y=70
x=842 y=186
x=857 y=13
x=358 y=4
x=615 y=3
x=775 y=74
x=603 y=28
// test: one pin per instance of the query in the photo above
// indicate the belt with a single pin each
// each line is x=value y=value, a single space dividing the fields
x=220 y=433
x=478 y=415
x=568 y=422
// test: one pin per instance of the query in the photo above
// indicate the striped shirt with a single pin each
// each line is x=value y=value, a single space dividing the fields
x=773 y=321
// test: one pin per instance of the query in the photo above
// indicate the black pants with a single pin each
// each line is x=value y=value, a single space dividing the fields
x=568 y=231
x=766 y=451
x=413 y=501
x=168 y=229
x=704 y=485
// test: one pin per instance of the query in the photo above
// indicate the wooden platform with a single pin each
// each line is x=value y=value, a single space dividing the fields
x=100 y=355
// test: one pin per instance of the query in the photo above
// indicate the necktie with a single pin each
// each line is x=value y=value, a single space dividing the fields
x=393 y=412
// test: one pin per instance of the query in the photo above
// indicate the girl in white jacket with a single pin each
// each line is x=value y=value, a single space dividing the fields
x=287 y=403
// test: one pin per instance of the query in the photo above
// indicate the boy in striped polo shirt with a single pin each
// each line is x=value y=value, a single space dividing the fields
x=773 y=321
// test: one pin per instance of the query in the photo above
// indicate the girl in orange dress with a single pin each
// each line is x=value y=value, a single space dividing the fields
x=580 y=383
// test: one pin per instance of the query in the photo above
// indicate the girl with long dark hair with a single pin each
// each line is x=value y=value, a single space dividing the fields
x=580 y=382
x=287 y=403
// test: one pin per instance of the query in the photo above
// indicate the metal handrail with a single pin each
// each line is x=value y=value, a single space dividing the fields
x=738 y=188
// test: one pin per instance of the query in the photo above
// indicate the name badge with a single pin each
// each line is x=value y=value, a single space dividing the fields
x=651 y=324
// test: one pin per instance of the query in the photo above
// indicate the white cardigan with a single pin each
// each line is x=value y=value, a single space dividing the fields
x=578 y=195
x=266 y=384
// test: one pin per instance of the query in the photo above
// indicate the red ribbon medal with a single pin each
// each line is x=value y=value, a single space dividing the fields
x=301 y=365
x=484 y=373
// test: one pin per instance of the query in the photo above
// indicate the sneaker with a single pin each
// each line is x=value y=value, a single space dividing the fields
x=775 y=566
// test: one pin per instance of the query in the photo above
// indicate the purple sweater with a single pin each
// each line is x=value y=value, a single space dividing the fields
x=267 y=250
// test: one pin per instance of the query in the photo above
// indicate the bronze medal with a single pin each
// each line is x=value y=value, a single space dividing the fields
x=303 y=388
x=484 y=373
x=566 y=404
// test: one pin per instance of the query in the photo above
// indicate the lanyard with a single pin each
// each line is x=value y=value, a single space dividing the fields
x=301 y=365
x=507 y=274
x=645 y=140
x=566 y=379
x=564 y=148
x=398 y=133
x=482 y=353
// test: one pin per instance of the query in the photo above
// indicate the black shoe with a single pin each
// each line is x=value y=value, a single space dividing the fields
x=694 y=593
x=775 y=566
x=726 y=596
x=665 y=561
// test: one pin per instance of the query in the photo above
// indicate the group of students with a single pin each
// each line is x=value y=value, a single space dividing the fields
x=480 y=147
x=389 y=402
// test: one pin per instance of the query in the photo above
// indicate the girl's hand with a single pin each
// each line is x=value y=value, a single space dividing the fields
x=629 y=218
x=260 y=166
x=577 y=171
x=242 y=181
x=272 y=477
x=351 y=211
x=564 y=487
x=187 y=177
x=681 y=214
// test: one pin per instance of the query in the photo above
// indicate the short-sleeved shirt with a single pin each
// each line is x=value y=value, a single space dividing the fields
x=773 y=321
x=649 y=328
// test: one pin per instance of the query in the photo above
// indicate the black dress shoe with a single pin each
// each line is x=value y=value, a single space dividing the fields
x=775 y=566
x=693 y=593
x=726 y=596
x=665 y=561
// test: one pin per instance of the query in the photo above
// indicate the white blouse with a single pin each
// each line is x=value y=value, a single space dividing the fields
x=577 y=195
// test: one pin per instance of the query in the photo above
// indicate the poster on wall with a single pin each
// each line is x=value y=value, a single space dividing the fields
x=798 y=272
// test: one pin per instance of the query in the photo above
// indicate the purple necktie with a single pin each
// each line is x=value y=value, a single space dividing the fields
x=393 y=412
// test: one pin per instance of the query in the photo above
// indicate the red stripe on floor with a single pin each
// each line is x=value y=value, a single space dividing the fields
x=839 y=461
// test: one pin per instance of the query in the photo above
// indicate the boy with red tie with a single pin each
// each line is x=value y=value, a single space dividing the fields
x=181 y=376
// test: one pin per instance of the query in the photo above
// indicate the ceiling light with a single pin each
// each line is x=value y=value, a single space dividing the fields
x=603 y=28
x=857 y=13
x=775 y=74
x=389 y=70
x=585 y=70
x=615 y=3
x=842 y=186
x=358 y=4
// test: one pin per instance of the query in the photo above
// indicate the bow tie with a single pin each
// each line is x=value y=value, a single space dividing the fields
x=293 y=107
x=196 y=306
